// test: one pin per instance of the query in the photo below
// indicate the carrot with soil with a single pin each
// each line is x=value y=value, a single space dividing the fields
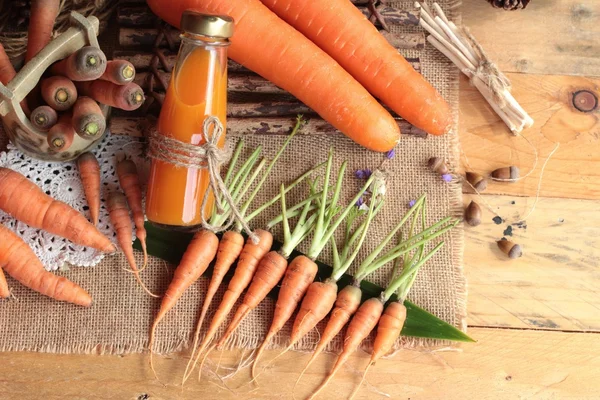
x=86 y=64
x=43 y=118
x=59 y=92
x=88 y=120
x=295 y=64
x=42 y=16
x=61 y=135
x=19 y=261
x=119 y=72
x=343 y=32
x=127 y=97
x=130 y=183
x=26 y=202
x=89 y=171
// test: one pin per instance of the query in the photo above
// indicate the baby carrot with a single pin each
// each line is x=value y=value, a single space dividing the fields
x=59 y=92
x=61 y=135
x=43 y=117
x=119 y=72
x=88 y=120
x=89 y=170
x=86 y=64
x=126 y=97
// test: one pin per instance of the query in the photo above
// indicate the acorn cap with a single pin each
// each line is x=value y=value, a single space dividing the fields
x=509 y=248
x=473 y=214
x=478 y=181
x=511 y=172
x=438 y=165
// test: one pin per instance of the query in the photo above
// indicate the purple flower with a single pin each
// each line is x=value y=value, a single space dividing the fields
x=447 y=178
x=367 y=173
x=412 y=203
x=359 y=173
x=360 y=202
x=390 y=154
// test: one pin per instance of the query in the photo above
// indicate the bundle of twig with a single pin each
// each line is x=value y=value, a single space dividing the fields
x=464 y=51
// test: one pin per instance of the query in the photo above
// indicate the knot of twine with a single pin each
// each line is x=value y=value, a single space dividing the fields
x=488 y=72
x=208 y=156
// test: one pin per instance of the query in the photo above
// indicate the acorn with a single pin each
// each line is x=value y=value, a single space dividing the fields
x=473 y=214
x=478 y=181
x=509 y=248
x=438 y=165
x=511 y=172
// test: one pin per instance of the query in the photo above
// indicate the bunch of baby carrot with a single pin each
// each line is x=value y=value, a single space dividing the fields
x=65 y=103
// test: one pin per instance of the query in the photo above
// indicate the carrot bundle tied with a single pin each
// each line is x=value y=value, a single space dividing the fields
x=26 y=202
x=19 y=261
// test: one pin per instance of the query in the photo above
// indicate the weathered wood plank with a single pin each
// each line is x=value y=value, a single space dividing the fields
x=555 y=284
x=574 y=170
x=503 y=364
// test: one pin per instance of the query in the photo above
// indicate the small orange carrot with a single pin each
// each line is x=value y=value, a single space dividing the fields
x=59 y=92
x=120 y=72
x=7 y=73
x=19 y=261
x=88 y=120
x=43 y=117
x=27 y=203
x=119 y=217
x=89 y=170
x=4 y=290
x=86 y=64
x=126 y=97
x=196 y=259
x=61 y=135
x=360 y=327
x=130 y=183
x=42 y=16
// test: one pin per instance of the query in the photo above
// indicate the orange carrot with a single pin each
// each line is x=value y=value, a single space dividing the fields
x=59 y=92
x=19 y=261
x=61 y=135
x=119 y=72
x=27 y=203
x=119 y=217
x=343 y=32
x=130 y=183
x=360 y=327
x=86 y=64
x=88 y=120
x=42 y=16
x=89 y=170
x=7 y=73
x=4 y=290
x=196 y=259
x=43 y=117
x=126 y=97
x=294 y=63
x=319 y=300
x=299 y=275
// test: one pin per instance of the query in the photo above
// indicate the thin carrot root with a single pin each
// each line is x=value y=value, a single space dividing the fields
x=364 y=376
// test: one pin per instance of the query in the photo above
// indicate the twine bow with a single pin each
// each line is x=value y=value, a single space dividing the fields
x=208 y=156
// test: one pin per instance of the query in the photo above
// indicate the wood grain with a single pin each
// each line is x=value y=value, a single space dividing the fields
x=504 y=364
x=557 y=37
x=574 y=170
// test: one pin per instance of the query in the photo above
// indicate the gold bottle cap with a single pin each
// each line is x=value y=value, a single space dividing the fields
x=217 y=26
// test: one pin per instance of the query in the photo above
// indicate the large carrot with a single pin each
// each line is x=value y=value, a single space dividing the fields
x=86 y=64
x=343 y=32
x=294 y=63
x=19 y=261
x=42 y=16
x=89 y=171
x=196 y=259
x=119 y=217
x=130 y=183
x=26 y=202
x=4 y=290
x=7 y=73
x=126 y=97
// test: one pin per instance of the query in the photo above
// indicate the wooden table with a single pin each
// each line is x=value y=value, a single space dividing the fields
x=536 y=319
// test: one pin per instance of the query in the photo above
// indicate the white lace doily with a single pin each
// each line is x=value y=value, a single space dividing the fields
x=62 y=182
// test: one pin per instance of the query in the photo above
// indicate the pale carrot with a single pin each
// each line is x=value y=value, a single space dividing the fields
x=26 y=202
x=88 y=120
x=4 y=290
x=61 y=135
x=196 y=259
x=43 y=117
x=89 y=171
x=86 y=64
x=126 y=97
x=42 y=16
x=343 y=32
x=130 y=183
x=19 y=261
x=294 y=63
x=59 y=92
x=119 y=72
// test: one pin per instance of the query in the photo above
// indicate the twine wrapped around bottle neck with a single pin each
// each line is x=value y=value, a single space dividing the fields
x=207 y=156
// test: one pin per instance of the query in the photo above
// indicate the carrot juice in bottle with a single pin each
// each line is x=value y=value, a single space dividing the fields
x=197 y=90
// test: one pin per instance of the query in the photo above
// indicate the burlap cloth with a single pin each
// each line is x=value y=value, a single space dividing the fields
x=119 y=320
